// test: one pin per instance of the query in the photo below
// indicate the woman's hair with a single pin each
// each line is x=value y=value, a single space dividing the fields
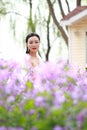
x=28 y=36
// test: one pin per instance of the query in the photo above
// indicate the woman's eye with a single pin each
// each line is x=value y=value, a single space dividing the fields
x=30 y=42
x=36 y=42
x=33 y=42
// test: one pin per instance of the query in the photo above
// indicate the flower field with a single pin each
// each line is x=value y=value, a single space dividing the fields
x=55 y=100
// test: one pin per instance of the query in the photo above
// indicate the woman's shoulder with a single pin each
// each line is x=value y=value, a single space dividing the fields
x=25 y=60
x=26 y=56
x=40 y=59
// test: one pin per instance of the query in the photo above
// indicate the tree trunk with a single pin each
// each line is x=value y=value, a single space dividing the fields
x=48 y=38
x=78 y=2
x=64 y=35
x=31 y=24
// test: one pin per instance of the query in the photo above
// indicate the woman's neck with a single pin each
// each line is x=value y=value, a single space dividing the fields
x=33 y=54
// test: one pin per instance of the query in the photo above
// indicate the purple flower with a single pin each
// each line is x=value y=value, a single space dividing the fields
x=3 y=128
x=58 y=98
x=10 y=99
x=10 y=128
x=31 y=111
x=40 y=101
x=58 y=128
x=81 y=116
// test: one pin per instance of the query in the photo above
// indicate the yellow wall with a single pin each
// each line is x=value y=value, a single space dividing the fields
x=77 y=49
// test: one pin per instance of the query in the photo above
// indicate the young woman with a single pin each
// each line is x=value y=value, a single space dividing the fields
x=32 y=46
x=32 y=59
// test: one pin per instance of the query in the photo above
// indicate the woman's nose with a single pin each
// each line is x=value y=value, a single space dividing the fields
x=34 y=44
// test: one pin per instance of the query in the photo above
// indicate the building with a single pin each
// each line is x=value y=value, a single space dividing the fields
x=76 y=22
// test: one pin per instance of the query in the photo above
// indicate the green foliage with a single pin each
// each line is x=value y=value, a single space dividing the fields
x=29 y=105
x=4 y=7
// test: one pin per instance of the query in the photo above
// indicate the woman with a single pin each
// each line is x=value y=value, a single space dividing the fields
x=32 y=59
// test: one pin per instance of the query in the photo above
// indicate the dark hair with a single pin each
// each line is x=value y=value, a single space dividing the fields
x=28 y=36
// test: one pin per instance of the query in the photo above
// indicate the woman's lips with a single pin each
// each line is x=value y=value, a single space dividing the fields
x=34 y=48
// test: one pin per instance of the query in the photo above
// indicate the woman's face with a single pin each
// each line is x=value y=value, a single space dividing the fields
x=33 y=44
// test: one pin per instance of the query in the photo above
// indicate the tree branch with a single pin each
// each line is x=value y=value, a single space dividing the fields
x=61 y=8
x=67 y=5
x=16 y=13
x=48 y=39
x=78 y=2
x=56 y=22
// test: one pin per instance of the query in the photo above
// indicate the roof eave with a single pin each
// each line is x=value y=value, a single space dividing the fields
x=74 y=18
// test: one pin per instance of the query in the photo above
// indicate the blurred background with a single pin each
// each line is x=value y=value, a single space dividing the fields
x=20 y=17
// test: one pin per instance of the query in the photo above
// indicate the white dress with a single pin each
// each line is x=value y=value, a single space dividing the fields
x=28 y=68
x=26 y=61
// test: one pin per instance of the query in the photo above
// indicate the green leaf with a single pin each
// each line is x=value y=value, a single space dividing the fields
x=29 y=105
x=29 y=84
